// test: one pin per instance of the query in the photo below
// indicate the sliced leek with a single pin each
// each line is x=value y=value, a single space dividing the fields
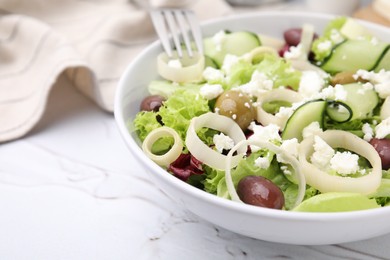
x=206 y=154
x=325 y=182
x=186 y=69
x=266 y=118
x=172 y=154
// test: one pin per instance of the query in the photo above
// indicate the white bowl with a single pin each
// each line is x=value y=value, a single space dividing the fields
x=261 y=223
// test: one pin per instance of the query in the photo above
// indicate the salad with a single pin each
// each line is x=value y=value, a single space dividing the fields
x=300 y=123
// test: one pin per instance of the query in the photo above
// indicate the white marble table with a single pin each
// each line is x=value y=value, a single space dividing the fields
x=72 y=190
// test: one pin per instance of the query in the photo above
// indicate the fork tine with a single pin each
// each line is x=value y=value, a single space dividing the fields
x=179 y=15
x=172 y=27
x=195 y=28
x=176 y=22
x=161 y=30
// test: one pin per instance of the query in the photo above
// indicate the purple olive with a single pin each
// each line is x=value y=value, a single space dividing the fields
x=293 y=36
x=382 y=146
x=259 y=191
x=152 y=103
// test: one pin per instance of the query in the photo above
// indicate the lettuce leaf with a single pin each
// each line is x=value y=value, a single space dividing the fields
x=331 y=35
x=275 y=68
x=178 y=110
x=213 y=177
x=280 y=71
x=144 y=123
x=240 y=73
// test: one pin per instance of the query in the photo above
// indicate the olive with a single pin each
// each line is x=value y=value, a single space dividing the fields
x=344 y=77
x=382 y=146
x=293 y=36
x=259 y=191
x=237 y=106
x=152 y=103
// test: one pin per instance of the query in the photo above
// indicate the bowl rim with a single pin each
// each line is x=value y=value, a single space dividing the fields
x=211 y=198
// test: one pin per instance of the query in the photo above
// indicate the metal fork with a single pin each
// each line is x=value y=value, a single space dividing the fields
x=177 y=23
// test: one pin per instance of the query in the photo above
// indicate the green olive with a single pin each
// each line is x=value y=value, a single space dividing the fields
x=344 y=77
x=237 y=106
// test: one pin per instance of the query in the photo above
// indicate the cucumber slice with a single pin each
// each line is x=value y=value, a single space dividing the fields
x=361 y=101
x=384 y=62
x=338 y=111
x=352 y=55
x=303 y=116
x=236 y=43
x=353 y=30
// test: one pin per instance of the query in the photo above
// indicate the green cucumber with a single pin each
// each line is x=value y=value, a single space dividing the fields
x=236 y=43
x=338 y=111
x=352 y=55
x=302 y=117
x=384 y=62
x=361 y=101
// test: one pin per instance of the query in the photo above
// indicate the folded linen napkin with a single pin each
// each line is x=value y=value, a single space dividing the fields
x=91 y=42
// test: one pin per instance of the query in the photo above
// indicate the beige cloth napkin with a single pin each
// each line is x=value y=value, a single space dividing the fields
x=91 y=41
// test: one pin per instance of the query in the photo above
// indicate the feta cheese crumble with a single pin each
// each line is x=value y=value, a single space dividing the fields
x=336 y=36
x=223 y=142
x=312 y=129
x=175 y=64
x=382 y=129
x=323 y=153
x=380 y=80
x=324 y=46
x=218 y=40
x=284 y=113
x=340 y=93
x=345 y=163
x=212 y=74
x=262 y=162
x=295 y=52
x=368 y=132
x=311 y=83
x=259 y=83
x=291 y=147
x=264 y=134
x=211 y=91
x=228 y=62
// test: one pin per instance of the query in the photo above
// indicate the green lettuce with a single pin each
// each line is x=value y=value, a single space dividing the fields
x=178 y=110
x=144 y=123
x=275 y=68
x=213 y=177
x=382 y=194
x=328 y=37
x=240 y=73
x=280 y=71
